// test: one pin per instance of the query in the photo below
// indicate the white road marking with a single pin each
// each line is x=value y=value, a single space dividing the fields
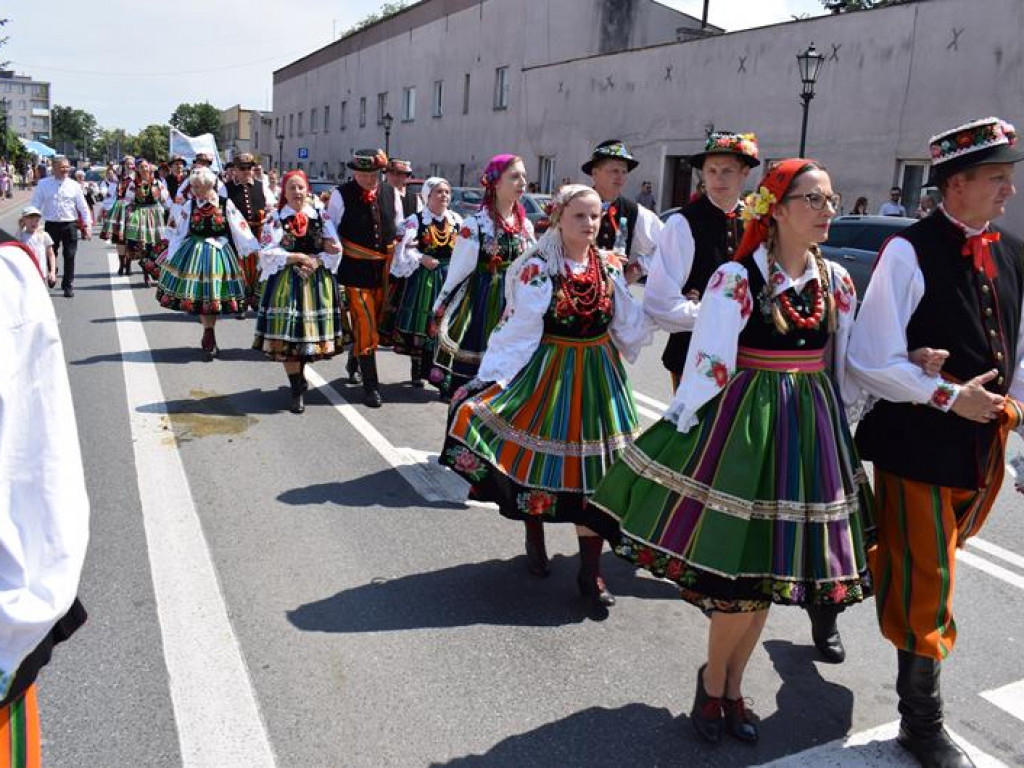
x=996 y=551
x=1009 y=698
x=215 y=707
x=996 y=571
x=874 y=748
x=662 y=407
x=652 y=415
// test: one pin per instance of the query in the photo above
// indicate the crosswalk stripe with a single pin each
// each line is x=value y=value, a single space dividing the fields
x=996 y=551
x=997 y=571
x=1009 y=698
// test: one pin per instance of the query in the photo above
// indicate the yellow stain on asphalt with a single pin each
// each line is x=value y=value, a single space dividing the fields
x=203 y=420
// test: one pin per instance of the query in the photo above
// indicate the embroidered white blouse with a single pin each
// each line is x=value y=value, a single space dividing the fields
x=879 y=359
x=243 y=237
x=467 y=251
x=724 y=312
x=158 y=186
x=407 y=256
x=517 y=337
x=274 y=258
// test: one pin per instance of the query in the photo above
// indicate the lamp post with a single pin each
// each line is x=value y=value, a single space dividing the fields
x=3 y=127
x=388 y=121
x=810 y=62
x=280 y=153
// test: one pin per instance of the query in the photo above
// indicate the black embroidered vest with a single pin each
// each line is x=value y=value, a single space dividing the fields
x=606 y=234
x=370 y=226
x=250 y=202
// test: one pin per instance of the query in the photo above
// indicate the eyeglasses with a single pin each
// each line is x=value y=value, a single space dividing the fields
x=817 y=200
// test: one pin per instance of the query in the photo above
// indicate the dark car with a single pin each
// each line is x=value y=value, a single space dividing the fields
x=854 y=242
x=319 y=186
x=536 y=206
x=466 y=200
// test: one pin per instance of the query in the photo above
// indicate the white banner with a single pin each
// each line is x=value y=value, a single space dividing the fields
x=188 y=146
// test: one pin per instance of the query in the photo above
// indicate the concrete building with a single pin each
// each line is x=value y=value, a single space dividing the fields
x=26 y=102
x=235 y=134
x=261 y=131
x=892 y=77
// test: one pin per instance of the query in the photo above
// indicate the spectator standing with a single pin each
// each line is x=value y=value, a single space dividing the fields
x=646 y=196
x=62 y=202
x=860 y=208
x=925 y=207
x=893 y=206
x=38 y=240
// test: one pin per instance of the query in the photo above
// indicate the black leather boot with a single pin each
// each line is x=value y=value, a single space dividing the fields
x=536 y=552
x=825 y=632
x=352 y=369
x=297 y=381
x=921 y=725
x=371 y=396
x=592 y=587
x=416 y=372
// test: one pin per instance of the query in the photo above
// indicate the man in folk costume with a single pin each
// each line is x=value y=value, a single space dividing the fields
x=249 y=198
x=176 y=177
x=44 y=514
x=608 y=167
x=397 y=175
x=954 y=285
x=368 y=217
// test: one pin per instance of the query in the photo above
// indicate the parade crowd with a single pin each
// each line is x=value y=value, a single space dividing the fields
x=749 y=492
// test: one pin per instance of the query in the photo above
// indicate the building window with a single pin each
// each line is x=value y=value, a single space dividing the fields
x=382 y=107
x=327 y=118
x=465 y=95
x=344 y=112
x=546 y=175
x=912 y=176
x=300 y=165
x=409 y=104
x=314 y=115
x=362 y=112
x=341 y=169
x=501 y=88
x=323 y=170
x=435 y=169
x=291 y=126
x=437 y=102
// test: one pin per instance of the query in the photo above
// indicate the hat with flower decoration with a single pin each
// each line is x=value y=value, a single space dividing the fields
x=245 y=160
x=613 y=149
x=981 y=142
x=368 y=160
x=399 y=166
x=741 y=145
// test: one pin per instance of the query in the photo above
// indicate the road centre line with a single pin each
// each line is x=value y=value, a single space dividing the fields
x=215 y=707
x=996 y=571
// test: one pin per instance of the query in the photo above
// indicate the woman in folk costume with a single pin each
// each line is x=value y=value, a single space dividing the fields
x=144 y=216
x=472 y=299
x=421 y=258
x=299 y=319
x=749 y=492
x=113 y=220
x=556 y=408
x=202 y=275
x=44 y=509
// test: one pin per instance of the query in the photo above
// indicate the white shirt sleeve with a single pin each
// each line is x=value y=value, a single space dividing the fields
x=330 y=260
x=45 y=506
x=406 y=259
x=82 y=207
x=399 y=212
x=631 y=330
x=335 y=207
x=844 y=293
x=464 y=258
x=273 y=257
x=242 y=235
x=670 y=269
x=645 y=239
x=711 y=361
x=878 y=357
x=177 y=227
x=513 y=342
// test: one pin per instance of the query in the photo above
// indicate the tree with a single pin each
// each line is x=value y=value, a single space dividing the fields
x=843 y=6
x=196 y=119
x=153 y=142
x=72 y=131
x=387 y=9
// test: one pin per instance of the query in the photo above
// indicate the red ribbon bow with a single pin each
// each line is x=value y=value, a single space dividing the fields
x=370 y=196
x=300 y=224
x=977 y=248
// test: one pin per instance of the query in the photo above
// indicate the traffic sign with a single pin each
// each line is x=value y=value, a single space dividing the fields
x=303 y=153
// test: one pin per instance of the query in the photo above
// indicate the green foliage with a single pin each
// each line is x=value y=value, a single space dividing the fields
x=196 y=119
x=843 y=6
x=152 y=142
x=386 y=9
x=73 y=131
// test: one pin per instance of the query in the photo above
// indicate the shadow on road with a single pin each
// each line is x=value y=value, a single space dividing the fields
x=174 y=356
x=245 y=403
x=165 y=316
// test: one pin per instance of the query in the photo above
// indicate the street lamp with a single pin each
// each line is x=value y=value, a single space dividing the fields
x=388 y=121
x=280 y=153
x=810 y=62
x=3 y=126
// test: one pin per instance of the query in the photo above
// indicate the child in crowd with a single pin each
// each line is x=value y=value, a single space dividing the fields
x=32 y=234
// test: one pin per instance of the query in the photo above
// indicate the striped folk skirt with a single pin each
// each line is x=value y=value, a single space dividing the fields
x=412 y=322
x=144 y=230
x=300 y=318
x=202 y=277
x=539 y=447
x=20 y=741
x=763 y=501
x=474 y=312
x=113 y=224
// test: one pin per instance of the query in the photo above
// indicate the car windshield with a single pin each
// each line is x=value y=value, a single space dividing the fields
x=871 y=237
x=472 y=196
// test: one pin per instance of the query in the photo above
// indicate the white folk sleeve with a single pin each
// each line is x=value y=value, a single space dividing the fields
x=177 y=228
x=335 y=207
x=241 y=233
x=83 y=208
x=670 y=269
x=43 y=502
x=645 y=239
x=711 y=361
x=406 y=259
x=464 y=258
x=878 y=358
x=845 y=295
x=330 y=260
x=631 y=329
x=514 y=341
x=273 y=258
x=399 y=214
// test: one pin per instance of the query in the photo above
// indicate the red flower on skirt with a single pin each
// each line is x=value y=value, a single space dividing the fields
x=674 y=569
x=646 y=558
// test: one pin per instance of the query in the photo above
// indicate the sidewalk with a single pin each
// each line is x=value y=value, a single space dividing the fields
x=20 y=199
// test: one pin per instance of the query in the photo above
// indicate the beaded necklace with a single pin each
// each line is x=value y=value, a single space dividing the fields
x=583 y=296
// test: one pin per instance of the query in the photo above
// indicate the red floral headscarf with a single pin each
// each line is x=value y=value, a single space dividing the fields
x=497 y=166
x=773 y=188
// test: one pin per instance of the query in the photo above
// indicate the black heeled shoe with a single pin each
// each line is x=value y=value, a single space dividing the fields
x=297 y=381
x=825 y=633
x=741 y=722
x=537 y=561
x=708 y=713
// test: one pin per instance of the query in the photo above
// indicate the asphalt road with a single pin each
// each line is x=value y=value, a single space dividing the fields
x=382 y=622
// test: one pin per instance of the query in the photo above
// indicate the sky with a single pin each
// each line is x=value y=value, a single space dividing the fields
x=131 y=62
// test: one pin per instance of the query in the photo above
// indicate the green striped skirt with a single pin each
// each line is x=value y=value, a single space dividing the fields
x=415 y=314
x=113 y=224
x=540 y=447
x=474 y=312
x=299 y=318
x=144 y=226
x=202 y=277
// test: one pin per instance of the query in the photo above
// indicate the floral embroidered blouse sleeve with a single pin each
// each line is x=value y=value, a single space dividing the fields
x=845 y=294
x=724 y=312
x=878 y=358
x=407 y=254
x=177 y=228
x=464 y=258
x=514 y=341
x=244 y=239
x=669 y=270
x=631 y=329
x=272 y=256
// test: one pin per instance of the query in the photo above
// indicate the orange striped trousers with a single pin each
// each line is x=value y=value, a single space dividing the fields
x=20 y=740
x=365 y=309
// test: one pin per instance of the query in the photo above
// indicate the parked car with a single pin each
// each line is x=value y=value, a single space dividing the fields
x=466 y=200
x=536 y=206
x=854 y=242
x=319 y=186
